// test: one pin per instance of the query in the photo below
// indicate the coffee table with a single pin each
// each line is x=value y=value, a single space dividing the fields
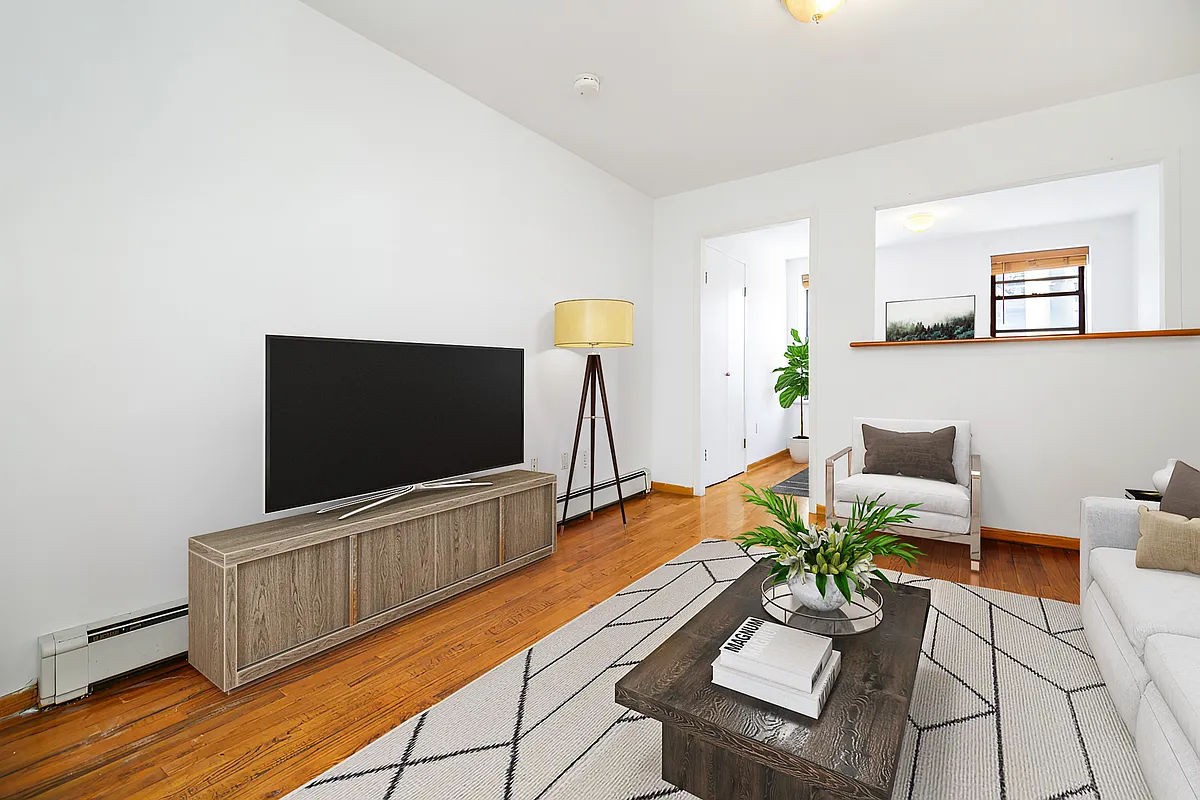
x=719 y=744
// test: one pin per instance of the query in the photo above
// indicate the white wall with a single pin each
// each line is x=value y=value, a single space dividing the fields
x=961 y=265
x=767 y=429
x=181 y=178
x=1148 y=291
x=797 y=268
x=1053 y=421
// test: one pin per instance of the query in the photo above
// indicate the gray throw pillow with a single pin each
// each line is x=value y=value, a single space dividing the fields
x=1182 y=496
x=918 y=454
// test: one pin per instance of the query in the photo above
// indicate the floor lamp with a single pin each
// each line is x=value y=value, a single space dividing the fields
x=593 y=324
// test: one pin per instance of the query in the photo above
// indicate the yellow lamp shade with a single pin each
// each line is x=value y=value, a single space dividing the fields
x=593 y=323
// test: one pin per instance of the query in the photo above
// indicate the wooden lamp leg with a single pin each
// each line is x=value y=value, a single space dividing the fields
x=612 y=443
x=587 y=379
x=594 y=360
x=593 y=377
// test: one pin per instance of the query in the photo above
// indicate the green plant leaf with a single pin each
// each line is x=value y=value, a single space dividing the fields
x=843 y=585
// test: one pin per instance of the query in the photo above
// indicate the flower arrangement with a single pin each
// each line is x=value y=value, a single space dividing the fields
x=839 y=556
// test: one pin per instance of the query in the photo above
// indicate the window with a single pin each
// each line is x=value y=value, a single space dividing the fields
x=1040 y=293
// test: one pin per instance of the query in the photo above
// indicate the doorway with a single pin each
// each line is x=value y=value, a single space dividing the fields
x=753 y=292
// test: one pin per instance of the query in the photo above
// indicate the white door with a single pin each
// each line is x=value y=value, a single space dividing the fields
x=722 y=367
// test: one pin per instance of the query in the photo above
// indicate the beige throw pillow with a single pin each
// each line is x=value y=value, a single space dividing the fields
x=1168 y=541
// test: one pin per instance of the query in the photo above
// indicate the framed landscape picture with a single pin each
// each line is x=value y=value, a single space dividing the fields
x=930 y=319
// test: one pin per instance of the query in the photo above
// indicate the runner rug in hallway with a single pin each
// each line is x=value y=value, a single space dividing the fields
x=797 y=484
x=1008 y=703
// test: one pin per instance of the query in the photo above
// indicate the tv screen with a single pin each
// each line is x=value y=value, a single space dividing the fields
x=348 y=417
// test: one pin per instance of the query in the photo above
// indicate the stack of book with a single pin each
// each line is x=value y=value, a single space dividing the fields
x=781 y=665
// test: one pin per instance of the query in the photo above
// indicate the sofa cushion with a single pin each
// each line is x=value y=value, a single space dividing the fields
x=962 y=440
x=1146 y=601
x=936 y=497
x=1122 y=668
x=1174 y=665
x=1169 y=764
x=917 y=454
x=944 y=523
x=1168 y=541
x=1182 y=496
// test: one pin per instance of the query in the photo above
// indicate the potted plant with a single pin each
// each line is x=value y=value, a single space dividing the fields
x=792 y=385
x=824 y=566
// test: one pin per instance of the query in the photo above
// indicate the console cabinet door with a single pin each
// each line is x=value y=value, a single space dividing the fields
x=290 y=598
x=395 y=565
x=468 y=542
x=528 y=521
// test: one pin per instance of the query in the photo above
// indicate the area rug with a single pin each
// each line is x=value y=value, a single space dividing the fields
x=1008 y=704
x=797 y=484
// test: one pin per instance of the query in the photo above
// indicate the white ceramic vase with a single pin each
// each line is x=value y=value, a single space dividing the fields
x=1163 y=476
x=806 y=594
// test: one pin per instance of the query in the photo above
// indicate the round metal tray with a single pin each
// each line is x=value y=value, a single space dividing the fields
x=860 y=615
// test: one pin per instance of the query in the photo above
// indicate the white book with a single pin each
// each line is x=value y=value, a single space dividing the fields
x=777 y=653
x=810 y=704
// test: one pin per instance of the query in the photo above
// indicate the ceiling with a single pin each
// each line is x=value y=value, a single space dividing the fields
x=789 y=240
x=695 y=92
x=1108 y=194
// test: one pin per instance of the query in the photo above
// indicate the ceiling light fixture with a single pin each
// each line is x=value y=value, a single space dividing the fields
x=920 y=221
x=811 y=10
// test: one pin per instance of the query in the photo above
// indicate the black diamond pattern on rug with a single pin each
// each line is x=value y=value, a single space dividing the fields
x=1008 y=704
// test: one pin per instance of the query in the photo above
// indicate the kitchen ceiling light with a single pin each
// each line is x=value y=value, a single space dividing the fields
x=811 y=10
x=920 y=222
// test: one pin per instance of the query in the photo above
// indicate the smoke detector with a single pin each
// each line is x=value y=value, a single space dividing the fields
x=587 y=84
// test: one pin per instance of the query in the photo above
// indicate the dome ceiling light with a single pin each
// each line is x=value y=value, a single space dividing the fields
x=811 y=10
x=920 y=221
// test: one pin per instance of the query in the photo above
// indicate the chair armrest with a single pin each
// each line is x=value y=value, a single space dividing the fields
x=1106 y=522
x=829 y=464
x=976 y=493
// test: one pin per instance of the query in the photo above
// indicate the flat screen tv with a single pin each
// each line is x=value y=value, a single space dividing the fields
x=348 y=417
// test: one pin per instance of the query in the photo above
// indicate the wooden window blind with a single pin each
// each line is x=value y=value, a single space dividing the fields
x=1039 y=259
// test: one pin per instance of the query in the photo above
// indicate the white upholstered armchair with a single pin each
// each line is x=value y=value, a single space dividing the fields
x=949 y=511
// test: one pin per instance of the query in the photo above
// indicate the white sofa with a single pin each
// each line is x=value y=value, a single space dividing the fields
x=949 y=511
x=1143 y=626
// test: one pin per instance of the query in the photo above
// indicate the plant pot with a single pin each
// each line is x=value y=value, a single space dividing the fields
x=806 y=594
x=798 y=447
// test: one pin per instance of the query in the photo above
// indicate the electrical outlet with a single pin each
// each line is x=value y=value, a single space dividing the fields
x=565 y=464
x=533 y=464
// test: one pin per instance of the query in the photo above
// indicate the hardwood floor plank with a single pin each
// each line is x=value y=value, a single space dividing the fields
x=171 y=734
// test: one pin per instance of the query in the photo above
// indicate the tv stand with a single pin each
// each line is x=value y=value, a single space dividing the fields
x=267 y=595
x=387 y=495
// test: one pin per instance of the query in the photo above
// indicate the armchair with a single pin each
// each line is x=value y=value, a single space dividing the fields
x=949 y=511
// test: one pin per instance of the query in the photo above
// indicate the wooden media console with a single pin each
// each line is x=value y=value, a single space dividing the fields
x=264 y=596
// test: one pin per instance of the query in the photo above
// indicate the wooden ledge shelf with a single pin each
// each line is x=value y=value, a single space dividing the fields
x=1067 y=338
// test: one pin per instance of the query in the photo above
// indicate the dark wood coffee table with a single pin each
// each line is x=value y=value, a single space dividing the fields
x=719 y=744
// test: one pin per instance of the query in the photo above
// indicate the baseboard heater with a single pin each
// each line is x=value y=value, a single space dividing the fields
x=76 y=659
x=632 y=484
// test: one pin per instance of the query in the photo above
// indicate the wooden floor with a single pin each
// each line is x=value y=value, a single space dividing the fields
x=171 y=734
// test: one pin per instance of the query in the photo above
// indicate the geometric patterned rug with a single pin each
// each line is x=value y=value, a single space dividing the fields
x=1008 y=704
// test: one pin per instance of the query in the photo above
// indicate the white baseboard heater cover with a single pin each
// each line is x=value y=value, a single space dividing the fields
x=632 y=483
x=74 y=659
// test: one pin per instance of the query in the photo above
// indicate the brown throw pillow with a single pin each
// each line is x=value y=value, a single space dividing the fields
x=919 y=454
x=1168 y=541
x=1183 y=492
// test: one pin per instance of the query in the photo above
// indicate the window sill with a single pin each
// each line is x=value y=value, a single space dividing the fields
x=1067 y=338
